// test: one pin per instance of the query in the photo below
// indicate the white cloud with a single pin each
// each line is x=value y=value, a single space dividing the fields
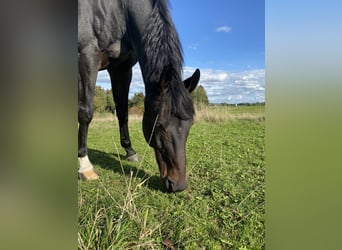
x=232 y=87
x=225 y=29
x=221 y=86
x=211 y=76
x=193 y=46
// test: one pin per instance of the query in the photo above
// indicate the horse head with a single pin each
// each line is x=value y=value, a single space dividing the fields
x=167 y=120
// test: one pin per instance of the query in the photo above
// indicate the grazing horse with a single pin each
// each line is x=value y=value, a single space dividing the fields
x=114 y=35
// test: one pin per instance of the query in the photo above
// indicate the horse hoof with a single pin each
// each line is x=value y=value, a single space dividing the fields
x=88 y=175
x=133 y=158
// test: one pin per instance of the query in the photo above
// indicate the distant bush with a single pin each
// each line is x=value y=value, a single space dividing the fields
x=100 y=100
x=110 y=106
x=137 y=101
x=199 y=96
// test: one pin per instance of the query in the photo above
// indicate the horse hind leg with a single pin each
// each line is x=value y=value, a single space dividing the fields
x=121 y=78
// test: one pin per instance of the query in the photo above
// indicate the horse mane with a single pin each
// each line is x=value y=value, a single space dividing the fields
x=162 y=48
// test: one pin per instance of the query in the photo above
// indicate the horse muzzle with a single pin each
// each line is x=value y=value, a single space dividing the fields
x=173 y=187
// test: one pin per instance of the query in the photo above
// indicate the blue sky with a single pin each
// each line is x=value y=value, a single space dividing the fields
x=221 y=34
x=225 y=39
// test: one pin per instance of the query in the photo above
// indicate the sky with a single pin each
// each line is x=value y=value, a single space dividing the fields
x=225 y=39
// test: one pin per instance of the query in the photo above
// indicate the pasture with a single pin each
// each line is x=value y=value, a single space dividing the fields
x=223 y=207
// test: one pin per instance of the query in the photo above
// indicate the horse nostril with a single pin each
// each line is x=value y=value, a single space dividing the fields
x=170 y=185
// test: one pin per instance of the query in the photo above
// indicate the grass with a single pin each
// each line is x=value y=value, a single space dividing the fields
x=227 y=113
x=223 y=208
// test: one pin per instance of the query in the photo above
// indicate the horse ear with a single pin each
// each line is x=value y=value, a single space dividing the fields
x=165 y=79
x=191 y=82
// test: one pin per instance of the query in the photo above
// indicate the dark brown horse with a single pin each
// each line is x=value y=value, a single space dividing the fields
x=114 y=35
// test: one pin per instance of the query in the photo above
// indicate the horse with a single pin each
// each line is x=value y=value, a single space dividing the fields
x=114 y=35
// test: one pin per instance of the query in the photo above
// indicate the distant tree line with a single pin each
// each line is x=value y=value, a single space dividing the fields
x=103 y=100
x=241 y=104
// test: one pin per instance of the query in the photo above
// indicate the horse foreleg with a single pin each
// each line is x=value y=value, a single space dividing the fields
x=121 y=80
x=87 y=66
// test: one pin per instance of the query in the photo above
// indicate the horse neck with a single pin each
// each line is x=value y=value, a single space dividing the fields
x=153 y=60
x=158 y=43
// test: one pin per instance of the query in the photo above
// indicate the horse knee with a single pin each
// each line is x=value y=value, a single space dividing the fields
x=85 y=114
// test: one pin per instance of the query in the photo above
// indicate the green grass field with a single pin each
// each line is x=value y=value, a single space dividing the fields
x=223 y=207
